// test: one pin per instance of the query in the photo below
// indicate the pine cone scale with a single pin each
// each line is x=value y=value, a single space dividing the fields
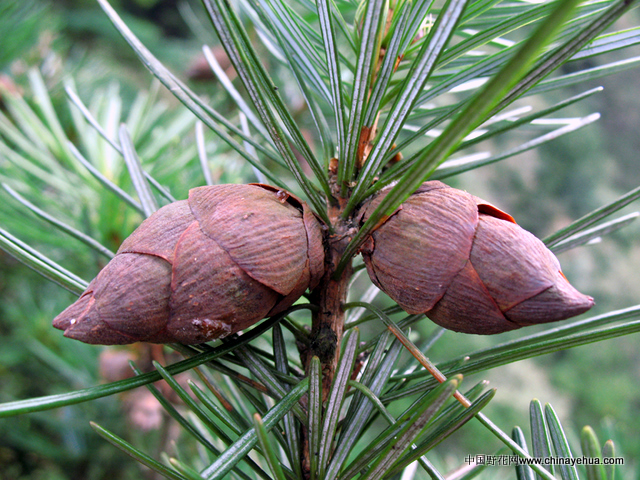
x=162 y=233
x=132 y=294
x=315 y=248
x=419 y=253
x=468 y=302
x=208 y=285
x=510 y=276
x=278 y=258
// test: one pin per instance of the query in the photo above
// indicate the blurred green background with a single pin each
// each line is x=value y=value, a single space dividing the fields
x=543 y=189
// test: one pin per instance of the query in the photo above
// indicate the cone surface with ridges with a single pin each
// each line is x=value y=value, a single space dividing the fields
x=466 y=264
x=202 y=268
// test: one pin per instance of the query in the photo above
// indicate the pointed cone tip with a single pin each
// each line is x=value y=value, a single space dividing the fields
x=70 y=315
x=81 y=322
x=95 y=332
x=559 y=302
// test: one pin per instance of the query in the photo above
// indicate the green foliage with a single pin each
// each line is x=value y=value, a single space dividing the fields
x=18 y=21
x=374 y=77
x=550 y=446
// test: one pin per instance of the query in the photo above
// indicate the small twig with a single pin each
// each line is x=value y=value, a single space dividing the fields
x=425 y=362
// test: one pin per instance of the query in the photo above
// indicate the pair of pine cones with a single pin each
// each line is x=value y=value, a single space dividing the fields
x=231 y=255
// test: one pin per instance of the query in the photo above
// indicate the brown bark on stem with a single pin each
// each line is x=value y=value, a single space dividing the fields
x=328 y=320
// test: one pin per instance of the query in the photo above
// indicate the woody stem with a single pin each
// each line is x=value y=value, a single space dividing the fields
x=328 y=320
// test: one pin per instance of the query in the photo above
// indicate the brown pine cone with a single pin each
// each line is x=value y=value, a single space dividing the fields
x=466 y=264
x=202 y=268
